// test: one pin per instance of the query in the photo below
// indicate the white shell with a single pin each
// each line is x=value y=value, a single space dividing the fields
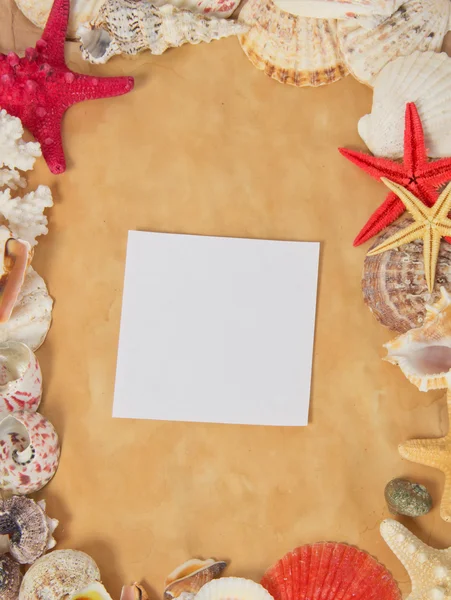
x=212 y=8
x=58 y=575
x=293 y=50
x=338 y=9
x=416 y=25
x=93 y=591
x=32 y=314
x=423 y=78
x=20 y=378
x=132 y=26
x=29 y=452
x=233 y=588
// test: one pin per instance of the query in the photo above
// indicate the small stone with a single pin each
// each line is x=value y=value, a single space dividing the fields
x=406 y=498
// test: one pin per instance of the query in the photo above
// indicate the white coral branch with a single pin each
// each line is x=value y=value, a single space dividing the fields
x=25 y=216
x=12 y=179
x=14 y=152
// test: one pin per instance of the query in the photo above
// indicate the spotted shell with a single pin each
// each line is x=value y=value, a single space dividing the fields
x=10 y=578
x=424 y=354
x=191 y=576
x=20 y=378
x=394 y=284
x=29 y=452
x=57 y=575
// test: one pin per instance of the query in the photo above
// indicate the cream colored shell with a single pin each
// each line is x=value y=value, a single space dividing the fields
x=423 y=78
x=235 y=588
x=416 y=25
x=191 y=576
x=93 y=591
x=338 y=9
x=290 y=49
x=60 y=573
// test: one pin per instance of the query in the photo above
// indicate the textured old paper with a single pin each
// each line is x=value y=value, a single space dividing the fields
x=207 y=144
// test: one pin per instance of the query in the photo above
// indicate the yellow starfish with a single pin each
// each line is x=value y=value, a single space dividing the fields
x=434 y=452
x=430 y=225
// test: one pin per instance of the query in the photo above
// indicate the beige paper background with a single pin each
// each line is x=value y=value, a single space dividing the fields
x=207 y=144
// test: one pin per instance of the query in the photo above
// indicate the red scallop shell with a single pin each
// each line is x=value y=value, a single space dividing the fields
x=330 y=571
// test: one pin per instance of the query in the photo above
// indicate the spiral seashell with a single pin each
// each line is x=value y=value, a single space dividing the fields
x=20 y=378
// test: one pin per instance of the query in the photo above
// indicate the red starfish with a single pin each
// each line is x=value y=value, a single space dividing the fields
x=416 y=173
x=39 y=87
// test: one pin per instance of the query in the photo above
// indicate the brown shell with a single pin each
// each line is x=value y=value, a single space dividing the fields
x=191 y=576
x=10 y=578
x=394 y=284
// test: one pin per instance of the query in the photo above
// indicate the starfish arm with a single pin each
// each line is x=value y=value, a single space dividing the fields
x=416 y=208
x=414 y=149
x=376 y=166
x=445 y=504
x=54 y=34
x=431 y=249
x=442 y=205
x=415 y=231
x=385 y=215
x=428 y=452
x=52 y=147
x=85 y=87
x=423 y=190
x=437 y=172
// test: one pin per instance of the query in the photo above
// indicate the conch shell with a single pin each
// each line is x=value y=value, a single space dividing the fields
x=189 y=577
x=20 y=378
x=132 y=26
x=424 y=354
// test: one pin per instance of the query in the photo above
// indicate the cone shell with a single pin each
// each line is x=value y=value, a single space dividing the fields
x=10 y=578
x=339 y=9
x=29 y=452
x=394 y=284
x=290 y=49
x=232 y=588
x=423 y=78
x=57 y=575
x=424 y=354
x=416 y=25
x=330 y=570
x=191 y=576
x=32 y=314
x=20 y=378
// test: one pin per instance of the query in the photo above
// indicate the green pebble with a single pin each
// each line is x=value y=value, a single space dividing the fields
x=406 y=498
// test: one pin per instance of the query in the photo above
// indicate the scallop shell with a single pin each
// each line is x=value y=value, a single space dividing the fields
x=191 y=576
x=94 y=591
x=32 y=313
x=29 y=452
x=424 y=354
x=416 y=25
x=290 y=49
x=132 y=26
x=20 y=378
x=330 y=570
x=232 y=588
x=15 y=256
x=26 y=525
x=57 y=575
x=339 y=9
x=394 y=284
x=10 y=578
x=423 y=78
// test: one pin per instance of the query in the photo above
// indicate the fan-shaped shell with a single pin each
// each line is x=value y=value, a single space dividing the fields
x=423 y=78
x=57 y=575
x=330 y=570
x=32 y=313
x=394 y=285
x=10 y=578
x=20 y=378
x=191 y=576
x=236 y=588
x=290 y=49
x=29 y=452
x=424 y=354
x=339 y=9
x=416 y=25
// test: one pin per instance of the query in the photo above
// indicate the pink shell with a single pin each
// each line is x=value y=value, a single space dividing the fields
x=20 y=379
x=29 y=452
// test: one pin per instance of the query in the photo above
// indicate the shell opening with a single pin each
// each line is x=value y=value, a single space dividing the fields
x=431 y=360
x=19 y=439
x=94 y=41
x=14 y=360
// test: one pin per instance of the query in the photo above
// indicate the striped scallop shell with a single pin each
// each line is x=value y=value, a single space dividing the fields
x=290 y=49
x=416 y=25
x=394 y=284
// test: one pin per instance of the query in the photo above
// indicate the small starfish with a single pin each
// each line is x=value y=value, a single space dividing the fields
x=430 y=225
x=39 y=87
x=416 y=173
x=434 y=452
x=429 y=569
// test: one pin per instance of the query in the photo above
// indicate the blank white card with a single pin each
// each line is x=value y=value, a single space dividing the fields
x=216 y=330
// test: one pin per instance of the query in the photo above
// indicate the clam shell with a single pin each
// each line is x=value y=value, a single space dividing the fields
x=10 y=578
x=20 y=378
x=32 y=313
x=132 y=26
x=394 y=284
x=191 y=576
x=329 y=570
x=57 y=575
x=29 y=452
x=232 y=588
x=27 y=526
x=424 y=354
x=290 y=49
x=416 y=25
x=423 y=78
x=93 y=591
x=339 y=9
